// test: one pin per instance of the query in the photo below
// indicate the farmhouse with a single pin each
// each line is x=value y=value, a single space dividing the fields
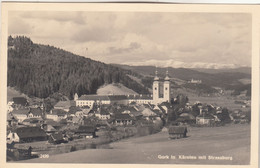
x=123 y=119
x=86 y=131
x=35 y=113
x=20 y=114
x=57 y=115
x=19 y=101
x=103 y=115
x=63 y=105
x=27 y=134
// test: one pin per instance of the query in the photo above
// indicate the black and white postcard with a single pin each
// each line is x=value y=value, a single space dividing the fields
x=125 y=84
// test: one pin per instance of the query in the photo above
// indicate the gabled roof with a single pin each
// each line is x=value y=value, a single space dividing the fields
x=58 y=112
x=36 y=111
x=86 y=129
x=24 y=111
x=50 y=128
x=32 y=120
x=93 y=97
x=20 y=100
x=63 y=104
x=30 y=132
x=52 y=123
x=123 y=117
x=143 y=96
x=117 y=97
x=57 y=136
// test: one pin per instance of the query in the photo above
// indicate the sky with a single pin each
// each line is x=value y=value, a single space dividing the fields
x=164 y=39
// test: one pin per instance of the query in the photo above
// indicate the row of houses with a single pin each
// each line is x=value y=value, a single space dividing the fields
x=27 y=134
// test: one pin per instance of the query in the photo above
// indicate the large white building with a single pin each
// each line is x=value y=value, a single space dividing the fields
x=161 y=93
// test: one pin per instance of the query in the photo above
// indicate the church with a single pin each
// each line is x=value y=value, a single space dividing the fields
x=161 y=89
x=161 y=93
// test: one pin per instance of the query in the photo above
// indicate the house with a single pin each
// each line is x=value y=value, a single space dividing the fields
x=87 y=131
x=27 y=134
x=11 y=120
x=123 y=119
x=177 y=132
x=103 y=115
x=56 y=115
x=20 y=101
x=56 y=138
x=35 y=113
x=20 y=114
x=63 y=105
x=205 y=119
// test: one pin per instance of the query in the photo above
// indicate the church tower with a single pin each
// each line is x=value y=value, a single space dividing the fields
x=76 y=97
x=156 y=88
x=167 y=88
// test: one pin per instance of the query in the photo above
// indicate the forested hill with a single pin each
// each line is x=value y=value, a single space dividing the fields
x=41 y=70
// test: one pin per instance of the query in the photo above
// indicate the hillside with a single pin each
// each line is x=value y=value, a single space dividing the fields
x=220 y=78
x=231 y=79
x=246 y=70
x=41 y=70
x=115 y=89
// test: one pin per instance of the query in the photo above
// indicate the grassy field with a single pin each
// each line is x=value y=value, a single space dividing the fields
x=227 y=145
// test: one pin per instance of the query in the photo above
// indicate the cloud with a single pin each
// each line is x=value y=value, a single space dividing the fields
x=129 y=37
x=95 y=34
x=59 y=16
x=18 y=26
x=132 y=46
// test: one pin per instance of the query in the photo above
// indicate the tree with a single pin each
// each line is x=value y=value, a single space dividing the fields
x=224 y=116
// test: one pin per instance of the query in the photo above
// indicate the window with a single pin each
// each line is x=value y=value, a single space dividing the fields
x=166 y=88
x=155 y=88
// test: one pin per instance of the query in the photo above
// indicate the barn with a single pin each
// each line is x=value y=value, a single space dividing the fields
x=177 y=132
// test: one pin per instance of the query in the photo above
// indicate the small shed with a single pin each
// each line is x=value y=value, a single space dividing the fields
x=177 y=132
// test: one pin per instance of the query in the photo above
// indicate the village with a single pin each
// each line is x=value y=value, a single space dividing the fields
x=92 y=120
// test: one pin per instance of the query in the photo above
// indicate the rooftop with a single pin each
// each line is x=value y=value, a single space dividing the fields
x=30 y=132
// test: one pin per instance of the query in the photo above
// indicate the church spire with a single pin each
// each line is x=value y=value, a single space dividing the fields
x=156 y=78
x=167 y=75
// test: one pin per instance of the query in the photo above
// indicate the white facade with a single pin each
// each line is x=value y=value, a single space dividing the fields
x=12 y=136
x=55 y=117
x=20 y=117
x=161 y=90
x=81 y=103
